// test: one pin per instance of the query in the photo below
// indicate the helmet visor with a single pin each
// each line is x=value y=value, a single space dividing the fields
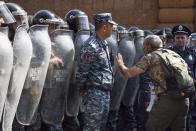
x=6 y=14
x=82 y=22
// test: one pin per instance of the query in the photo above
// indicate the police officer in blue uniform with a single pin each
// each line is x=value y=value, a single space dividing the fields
x=94 y=76
x=181 y=34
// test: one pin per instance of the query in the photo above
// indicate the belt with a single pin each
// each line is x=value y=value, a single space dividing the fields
x=100 y=88
x=103 y=87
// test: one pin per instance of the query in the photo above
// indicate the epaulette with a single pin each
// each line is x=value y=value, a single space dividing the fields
x=92 y=43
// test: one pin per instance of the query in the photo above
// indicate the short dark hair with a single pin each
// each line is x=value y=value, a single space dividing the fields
x=99 y=25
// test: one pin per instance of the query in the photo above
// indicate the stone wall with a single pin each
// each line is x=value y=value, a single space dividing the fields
x=141 y=13
x=146 y=14
x=173 y=12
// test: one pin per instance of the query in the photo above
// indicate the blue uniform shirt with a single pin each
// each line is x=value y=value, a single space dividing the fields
x=94 y=65
x=189 y=55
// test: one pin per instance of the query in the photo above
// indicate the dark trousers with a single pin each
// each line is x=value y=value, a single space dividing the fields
x=168 y=112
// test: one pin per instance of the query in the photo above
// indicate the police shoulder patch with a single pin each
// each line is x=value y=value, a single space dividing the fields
x=88 y=57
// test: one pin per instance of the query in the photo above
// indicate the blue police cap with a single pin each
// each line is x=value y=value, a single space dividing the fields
x=181 y=29
x=103 y=17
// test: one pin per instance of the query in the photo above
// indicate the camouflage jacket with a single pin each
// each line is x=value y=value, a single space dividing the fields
x=151 y=63
x=94 y=65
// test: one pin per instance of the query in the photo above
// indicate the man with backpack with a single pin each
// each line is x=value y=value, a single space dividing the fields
x=166 y=111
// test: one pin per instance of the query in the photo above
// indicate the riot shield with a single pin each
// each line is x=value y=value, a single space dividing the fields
x=138 y=41
x=36 y=75
x=127 y=49
x=82 y=23
x=80 y=38
x=73 y=98
x=57 y=81
x=4 y=30
x=133 y=83
x=113 y=48
x=6 y=64
x=22 y=49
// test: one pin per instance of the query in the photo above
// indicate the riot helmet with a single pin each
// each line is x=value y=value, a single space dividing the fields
x=133 y=28
x=62 y=24
x=77 y=20
x=147 y=32
x=122 y=32
x=115 y=32
x=169 y=40
x=45 y=17
x=19 y=13
x=155 y=30
x=138 y=33
x=166 y=36
x=120 y=28
x=192 y=40
x=158 y=32
x=6 y=14
x=168 y=33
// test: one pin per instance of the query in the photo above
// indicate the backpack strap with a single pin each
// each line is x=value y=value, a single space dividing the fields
x=164 y=65
x=163 y=59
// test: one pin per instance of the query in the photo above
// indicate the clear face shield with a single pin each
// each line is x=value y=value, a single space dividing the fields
x=22 y=20
x=6 y=14
x=114 y=32
x=52 y=23
x=82 y=23
x=192 y=42
x=62 y=24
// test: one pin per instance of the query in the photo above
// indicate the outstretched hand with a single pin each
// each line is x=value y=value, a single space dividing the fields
x=119 y=60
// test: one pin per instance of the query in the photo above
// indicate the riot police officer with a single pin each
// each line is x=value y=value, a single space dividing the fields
x=27 y=111
x=127 y=48
x=79 y=23
x=46 y=17
x=6 y=52
x=22 y=49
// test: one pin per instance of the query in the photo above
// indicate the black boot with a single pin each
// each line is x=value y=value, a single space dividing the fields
x=71 y=124
x=17 y=127
x=112 y=121
x=128 y=118
x=55 y=127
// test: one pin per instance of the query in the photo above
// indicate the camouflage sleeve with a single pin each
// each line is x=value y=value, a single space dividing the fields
x=87 y=56
x=144 y=63
x=194 y=53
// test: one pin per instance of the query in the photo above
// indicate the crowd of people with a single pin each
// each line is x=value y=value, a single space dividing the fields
x=67 y=74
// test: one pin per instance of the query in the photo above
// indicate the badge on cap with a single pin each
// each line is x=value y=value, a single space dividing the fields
x=180 y=28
